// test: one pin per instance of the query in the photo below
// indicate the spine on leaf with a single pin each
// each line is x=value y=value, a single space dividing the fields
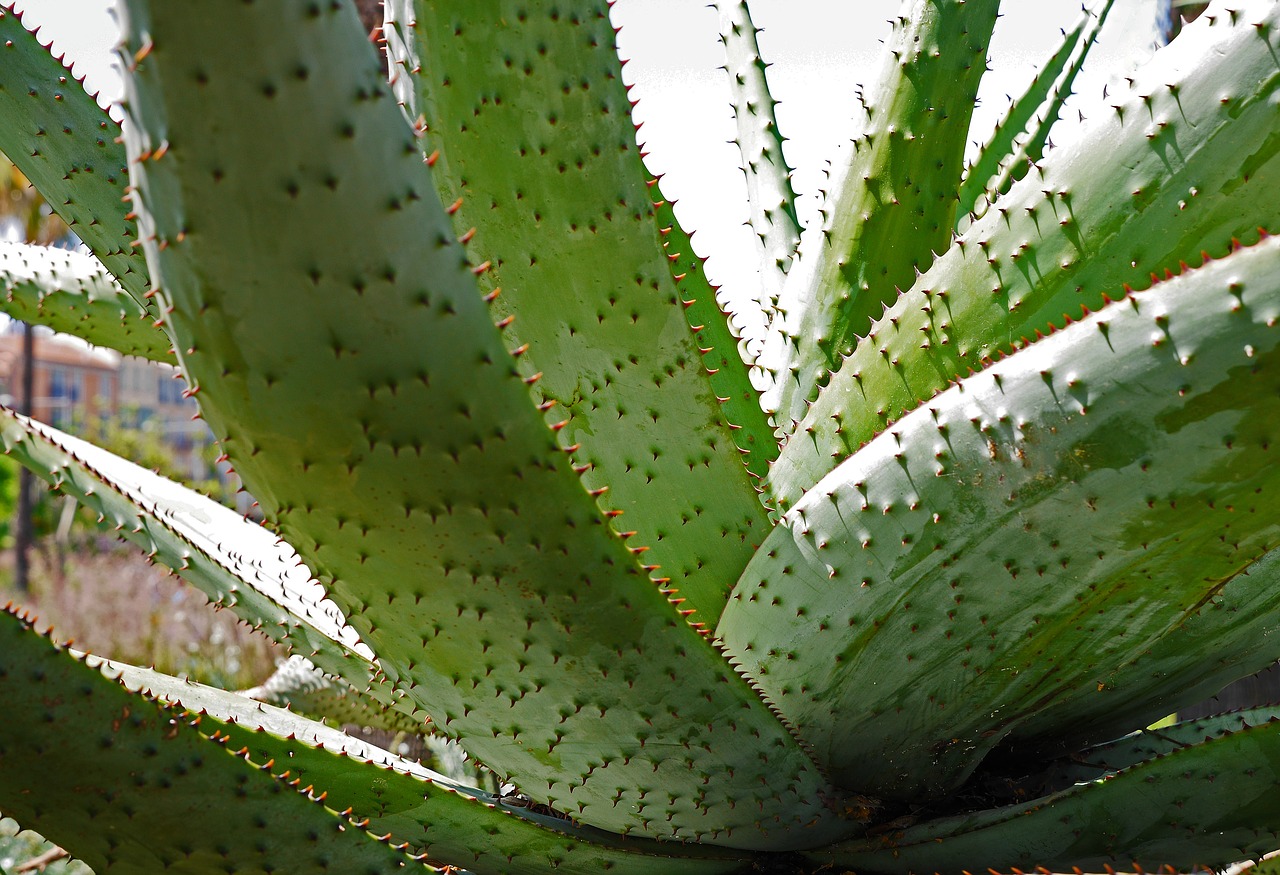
x=771 y=200
x=730 y=378
x=1021 y=136
x=439 y=448
x=71 y=150
x=1071 y=498
x=72 y=293
x=893 y=201
x=538 y=154
x=1061 y=241
x=123 y=782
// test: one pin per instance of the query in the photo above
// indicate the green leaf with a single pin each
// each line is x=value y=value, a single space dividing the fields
x=236 y=563
x=1005 y=548
x=445 y=521
x=770 y=198
x=526 y=110
x=72 y=293
x=1194 y=144
x=450 y=822
x=1229 y=637
x=892 y=205
x=730 y=378
x=1198 y=807
x=125 y=783
x=1102 y=760
x=70 y=149
x=297 y=684
x=1020 y=137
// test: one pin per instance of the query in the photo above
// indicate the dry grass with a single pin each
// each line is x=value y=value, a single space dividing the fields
x=110 y=601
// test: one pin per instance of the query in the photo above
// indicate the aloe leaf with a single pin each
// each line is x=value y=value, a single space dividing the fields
x=1020 y=137
x=1234 y=632
x=438 y=510
x=893 y=202
x=450 y=822
x=73 y=293
x=1198 y=807
x=236 y=563
x=730 y=378
x=1193 y=141
x=1101 y=760
x=124 y=783
x=536 y=149
x=1003 y=549
x=297 y=684
x=71 y=151
x=770 y=198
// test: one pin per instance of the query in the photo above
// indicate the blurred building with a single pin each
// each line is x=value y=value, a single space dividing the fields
x=72 y=381
x=151 y=397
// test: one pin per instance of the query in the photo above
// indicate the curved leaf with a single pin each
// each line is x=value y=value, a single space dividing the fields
x=526 y=114
x=450 y=822
x=235 y=562
x=893 y=200
x=1194 y=144
x=770 y=198
x=438 y=510
x=1199 y=807
x=124 y=783
x=71 y=150
x=73 y=293
x=1020 y=137
x=1003 y=550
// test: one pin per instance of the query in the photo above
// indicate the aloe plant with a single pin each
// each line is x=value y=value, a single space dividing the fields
x=997 y=496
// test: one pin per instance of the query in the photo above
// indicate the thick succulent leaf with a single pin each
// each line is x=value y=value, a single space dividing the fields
x=1007 y=547
x=235 y=562
x=70 y=149
x=72 y=293
x=1195 y=145
x=1236 y=633
x=1020 y=138
x=1198 y=807
x=770 y=199
x=438 y=509
x=1102 y=760
x=125 y=783
x=298 y=685
x=893 y=200
x=730 y=378
x=449 y=822
x=528 y=115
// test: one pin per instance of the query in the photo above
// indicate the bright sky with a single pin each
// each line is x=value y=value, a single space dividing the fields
x=820 y=49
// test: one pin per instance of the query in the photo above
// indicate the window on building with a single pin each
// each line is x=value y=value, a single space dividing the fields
x=171 y=390
x=66 y=388
x=106 y=389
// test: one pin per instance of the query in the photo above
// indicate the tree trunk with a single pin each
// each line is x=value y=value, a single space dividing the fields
x=22 y=533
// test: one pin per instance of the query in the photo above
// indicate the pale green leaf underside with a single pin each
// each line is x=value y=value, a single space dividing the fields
x=999 y=553
x=298 y=685
x=236 y=563
x=1186 y=160
x=72 y=293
